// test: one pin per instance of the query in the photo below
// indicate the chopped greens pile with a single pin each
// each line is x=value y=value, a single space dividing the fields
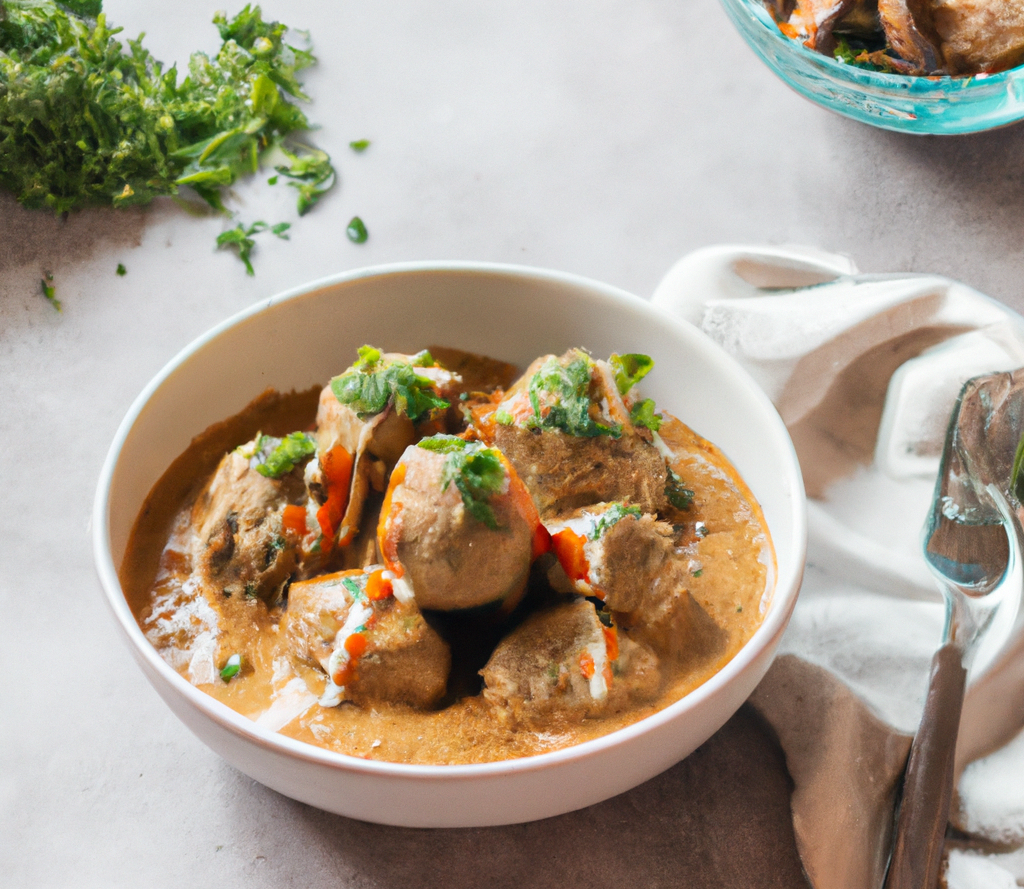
x=560 y=396
x=373 y=382
x=476 y=470
x=87 y=121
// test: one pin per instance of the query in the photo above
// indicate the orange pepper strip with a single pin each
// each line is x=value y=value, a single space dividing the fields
x=388 y=526
x=337 y=468
x=293 y=520
x=611 y=641
x=568 y=548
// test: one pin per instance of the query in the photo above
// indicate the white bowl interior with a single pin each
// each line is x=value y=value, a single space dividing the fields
x=303 y=338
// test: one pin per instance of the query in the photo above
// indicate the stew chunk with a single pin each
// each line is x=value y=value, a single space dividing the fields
x=565 y=661
x=371 y=646
x=577 y=435
x=458 y=527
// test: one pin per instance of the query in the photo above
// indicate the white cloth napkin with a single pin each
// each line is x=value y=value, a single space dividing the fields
x=865 y=371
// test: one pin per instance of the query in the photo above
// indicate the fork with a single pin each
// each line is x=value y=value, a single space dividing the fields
x=972 y=543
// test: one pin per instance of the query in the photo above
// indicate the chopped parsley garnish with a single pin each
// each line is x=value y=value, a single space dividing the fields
x=560 y=396
x=287 y=453
x=231 y=668
x=353 y=587
x=612 y=516
x=356 y=231
x=643 y=414
x=373 y=382
x=121 y=271
x=240 y=238
x=86 y=120
x=630 y=369
x=678 y=494
x=359 y=145
x=476 y=470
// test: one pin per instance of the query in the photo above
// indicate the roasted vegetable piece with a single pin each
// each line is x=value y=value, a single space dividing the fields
x=371 y=646
x=979 y=35
x=576 y=439
x=242 y=547
x=458 y=528
x=565 y=661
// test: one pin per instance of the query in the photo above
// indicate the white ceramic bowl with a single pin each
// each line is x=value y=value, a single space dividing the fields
x=304 y=337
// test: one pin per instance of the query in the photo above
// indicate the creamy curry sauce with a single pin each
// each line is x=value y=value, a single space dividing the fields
x=720 y=543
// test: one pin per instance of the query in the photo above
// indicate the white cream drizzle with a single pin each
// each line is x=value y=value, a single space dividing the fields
x=358 y=614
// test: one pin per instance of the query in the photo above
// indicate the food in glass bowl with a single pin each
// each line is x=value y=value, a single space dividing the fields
x=915 y=37
x=436 y=560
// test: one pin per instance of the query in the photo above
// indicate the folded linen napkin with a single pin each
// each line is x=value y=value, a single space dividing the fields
x=865 y=371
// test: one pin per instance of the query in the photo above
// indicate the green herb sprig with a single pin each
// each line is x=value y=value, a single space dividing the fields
x=560 y=397
x=85 y=120
x=373 y=382
x=680 y=496
x=476 y=471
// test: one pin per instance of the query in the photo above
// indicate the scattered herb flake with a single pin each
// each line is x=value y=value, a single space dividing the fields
x=476 y=470
x=678 y=494
x=356 y=231
x=121 y=270
x=560 y=397
x=612 y=516
x=642 y=414
x=373 y=382
x=1017 y=473
x=359 y=145
x=50 y=292
x=285 y=455
x=630 y=369
x=231 y=668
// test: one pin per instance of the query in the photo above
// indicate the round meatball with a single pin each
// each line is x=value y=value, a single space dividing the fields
x=458 y=527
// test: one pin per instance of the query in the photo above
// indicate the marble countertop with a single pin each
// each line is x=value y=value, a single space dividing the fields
x=608 y=144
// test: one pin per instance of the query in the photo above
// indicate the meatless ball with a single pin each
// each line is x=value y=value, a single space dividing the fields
x=372 y=646
x=458 y=527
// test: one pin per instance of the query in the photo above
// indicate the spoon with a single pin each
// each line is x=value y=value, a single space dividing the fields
x=973 y=542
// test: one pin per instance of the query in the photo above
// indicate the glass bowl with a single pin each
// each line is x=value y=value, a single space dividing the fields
x=931 y=105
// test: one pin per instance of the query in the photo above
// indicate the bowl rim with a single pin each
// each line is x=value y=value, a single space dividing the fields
x=764 y=638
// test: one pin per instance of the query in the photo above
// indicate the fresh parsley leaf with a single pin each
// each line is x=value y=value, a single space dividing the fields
x=560 y=397
x=612 y=516
x=281 y=230
x=359 y=145
x=476 y=470
x=630 y=369
x=240 y=238
x=311 y=173
x=287 y=453
x=678 y=494
x=372 y=383
x=121 y=271
x=642 y=414
x=356 y=231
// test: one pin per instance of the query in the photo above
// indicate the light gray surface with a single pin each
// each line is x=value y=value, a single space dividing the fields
x=603 y=139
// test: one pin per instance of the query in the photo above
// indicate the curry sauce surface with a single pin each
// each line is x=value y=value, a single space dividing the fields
x=726 y=543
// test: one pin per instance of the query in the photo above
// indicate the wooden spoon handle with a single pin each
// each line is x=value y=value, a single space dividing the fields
x=928 y=782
